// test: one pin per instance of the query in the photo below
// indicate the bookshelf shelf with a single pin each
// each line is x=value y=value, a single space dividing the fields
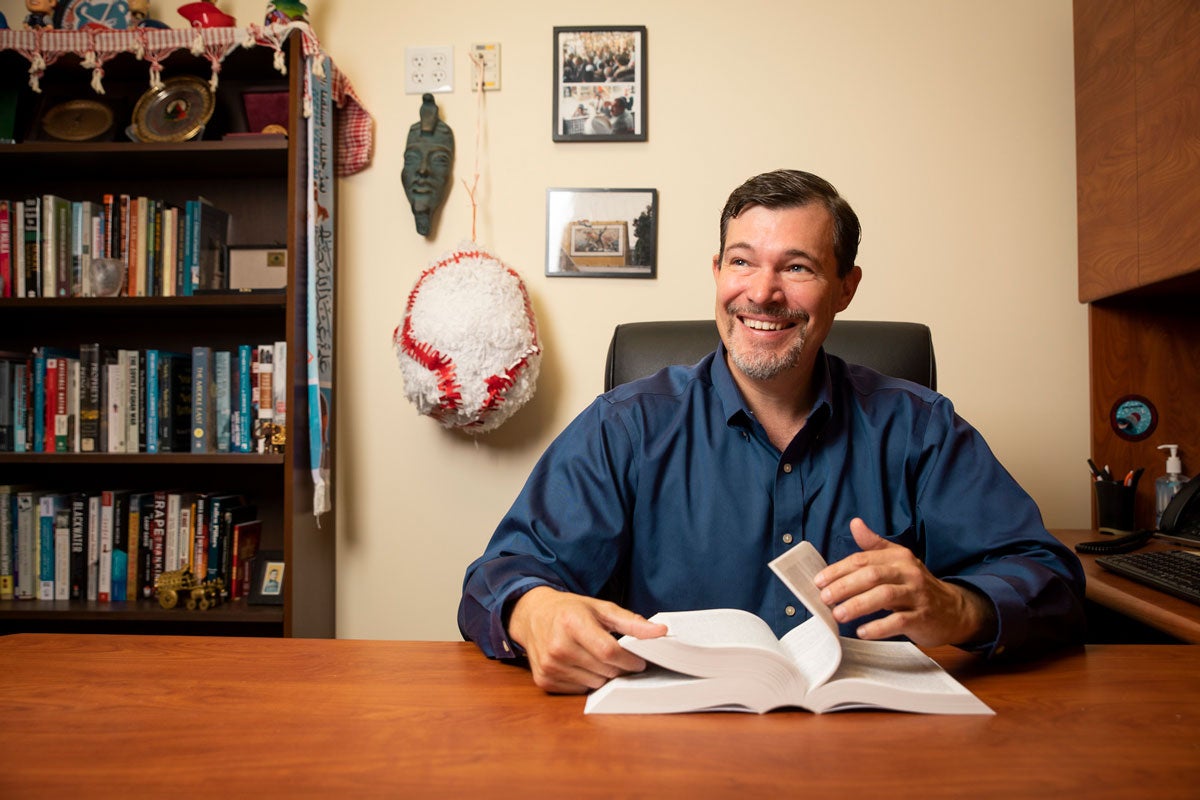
x=261 y=183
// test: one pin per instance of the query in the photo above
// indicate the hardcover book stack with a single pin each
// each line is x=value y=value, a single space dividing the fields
x=95 y=399
x=48 y=243
x=111 y=545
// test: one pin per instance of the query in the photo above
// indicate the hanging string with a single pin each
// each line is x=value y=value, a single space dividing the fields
x=477 y=59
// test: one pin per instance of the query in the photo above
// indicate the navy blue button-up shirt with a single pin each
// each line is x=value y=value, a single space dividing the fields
x=665 y=494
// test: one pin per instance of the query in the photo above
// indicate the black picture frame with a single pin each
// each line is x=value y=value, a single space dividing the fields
x=600 y=84
x=601 y=233
x=270 y=571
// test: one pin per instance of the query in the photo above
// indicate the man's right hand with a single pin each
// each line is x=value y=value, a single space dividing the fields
x=567 y=638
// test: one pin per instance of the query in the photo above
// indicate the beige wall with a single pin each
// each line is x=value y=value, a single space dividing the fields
x=949 y=125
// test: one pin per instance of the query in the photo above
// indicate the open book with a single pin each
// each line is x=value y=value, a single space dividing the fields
x=730 y=660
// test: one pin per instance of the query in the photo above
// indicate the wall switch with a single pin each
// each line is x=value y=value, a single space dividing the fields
x=428 y=69
x=489 y=56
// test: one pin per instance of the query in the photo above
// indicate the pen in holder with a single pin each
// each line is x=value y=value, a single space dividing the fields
x=1115 y=504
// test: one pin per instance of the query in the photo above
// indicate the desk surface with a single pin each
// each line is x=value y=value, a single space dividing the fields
x=1138 y=601
x=92 y=715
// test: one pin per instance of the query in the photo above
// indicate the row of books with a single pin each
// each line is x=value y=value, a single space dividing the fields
x=48 y=244
x=111 y=546
x=113 y=400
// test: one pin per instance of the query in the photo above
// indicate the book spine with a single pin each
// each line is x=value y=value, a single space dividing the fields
x=47 y=243
x=62 y=402
x=122 y=243
x=45 y=546
x=146 y=573
x=119 y=580
x=8 y=511
x=93 y=546
x=6 y=265
x=115 y=405
x=104 y=581
x=202 y=400
x=200 y=536
x=133 y=541
x=25 y=569
x=190 y=225
x=18 y=248
x=172 y=538
x=33 y=257
x=152 y=400
x=78 y=569
x=266 y=395
x=6 y=405
x=222 y=413
x=133 y=395
x=133 y=254
x=279 y=383
x=89 y=397
x=244 y=405
x=21 y=406
x=158 y=534
x=62 y=245
x=62 y=554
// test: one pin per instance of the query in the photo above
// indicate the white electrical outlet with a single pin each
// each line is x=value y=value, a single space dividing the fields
x=489 y=56
x=428 y=69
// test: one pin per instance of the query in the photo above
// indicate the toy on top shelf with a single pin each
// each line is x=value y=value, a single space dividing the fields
x=205 y=14
x=285 y=11
x=41 y=13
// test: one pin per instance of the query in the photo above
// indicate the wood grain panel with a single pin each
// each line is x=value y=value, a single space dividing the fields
x=1106 y=155
x=1168 y=138
x=1152 y=350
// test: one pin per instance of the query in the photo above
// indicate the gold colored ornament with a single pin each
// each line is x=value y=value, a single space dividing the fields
x=172 y=586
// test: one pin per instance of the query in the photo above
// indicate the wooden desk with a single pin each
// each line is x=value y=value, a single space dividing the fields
x=1135 y=600
x=127 y=716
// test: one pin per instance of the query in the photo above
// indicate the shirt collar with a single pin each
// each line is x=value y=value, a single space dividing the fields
x=734 y=404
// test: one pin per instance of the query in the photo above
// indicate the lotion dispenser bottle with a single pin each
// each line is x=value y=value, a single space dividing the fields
x=1168 y=485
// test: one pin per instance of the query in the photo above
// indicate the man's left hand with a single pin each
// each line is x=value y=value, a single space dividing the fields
x=889 y=577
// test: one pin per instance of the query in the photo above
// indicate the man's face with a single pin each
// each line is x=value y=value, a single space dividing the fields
x=778 y=289
x=427 y=164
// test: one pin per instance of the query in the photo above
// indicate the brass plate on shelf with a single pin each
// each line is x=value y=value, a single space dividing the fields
x=77 y=120
x=175 y=112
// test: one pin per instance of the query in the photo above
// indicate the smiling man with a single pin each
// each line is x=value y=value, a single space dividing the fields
x=675 y=491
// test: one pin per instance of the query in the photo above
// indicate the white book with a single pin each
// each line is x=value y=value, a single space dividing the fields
x=73 y=390
x=104 y=584
x=730 y=660
x=279 y=383
x=115 y=408
x=172 y=541
x=62 y=554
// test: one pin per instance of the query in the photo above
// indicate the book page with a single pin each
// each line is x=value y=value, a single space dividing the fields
x=895 y=675
x=797 y=568
x=714 y=642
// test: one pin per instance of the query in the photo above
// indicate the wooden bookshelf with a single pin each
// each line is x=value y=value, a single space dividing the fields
x=262 y=183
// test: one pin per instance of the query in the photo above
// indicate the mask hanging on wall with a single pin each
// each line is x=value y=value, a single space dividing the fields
x=428 y=159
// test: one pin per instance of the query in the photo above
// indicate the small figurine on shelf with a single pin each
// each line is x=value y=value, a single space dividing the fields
x=205 y=14
x=139 y=15
x=41 y=13
x=285 y=11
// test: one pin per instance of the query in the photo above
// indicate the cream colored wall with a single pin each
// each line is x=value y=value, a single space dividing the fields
x=949 y=125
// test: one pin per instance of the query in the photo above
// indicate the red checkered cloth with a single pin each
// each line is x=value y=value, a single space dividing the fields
x=355 y=128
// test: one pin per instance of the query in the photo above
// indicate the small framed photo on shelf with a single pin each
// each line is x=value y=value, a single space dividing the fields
x=600 y=84
x=602 y=233
x=256 y=266
x=269 y=571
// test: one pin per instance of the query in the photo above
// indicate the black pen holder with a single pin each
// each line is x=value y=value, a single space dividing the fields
x=1114 y=506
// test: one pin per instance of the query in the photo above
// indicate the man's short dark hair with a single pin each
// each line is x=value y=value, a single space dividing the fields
x=791 y=188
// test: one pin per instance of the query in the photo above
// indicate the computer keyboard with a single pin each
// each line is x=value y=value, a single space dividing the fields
x=1176 y=572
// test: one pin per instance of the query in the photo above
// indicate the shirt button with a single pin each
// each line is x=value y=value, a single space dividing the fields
x=790 y=611
x=505 y=646
x=787 y=538
x=787 y=468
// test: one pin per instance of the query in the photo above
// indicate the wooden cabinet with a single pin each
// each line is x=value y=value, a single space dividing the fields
x=1137 y=83
x=262 y=184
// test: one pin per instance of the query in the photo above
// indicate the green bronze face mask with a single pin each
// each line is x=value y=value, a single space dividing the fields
x=428 y=160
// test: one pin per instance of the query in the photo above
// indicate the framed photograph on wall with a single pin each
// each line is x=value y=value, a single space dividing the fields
x=600 y=84
x=602 y=233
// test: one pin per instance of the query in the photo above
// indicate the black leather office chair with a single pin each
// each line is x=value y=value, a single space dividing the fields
x=900 y=349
